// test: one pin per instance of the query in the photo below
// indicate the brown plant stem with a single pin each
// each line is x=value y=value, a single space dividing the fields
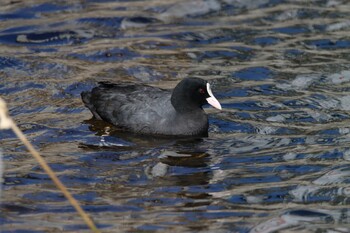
x=10 y=124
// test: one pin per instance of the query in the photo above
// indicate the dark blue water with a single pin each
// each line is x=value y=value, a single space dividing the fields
x=277 y=156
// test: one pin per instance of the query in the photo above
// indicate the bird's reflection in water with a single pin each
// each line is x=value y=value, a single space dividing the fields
x=174 y=163
x=189 y=171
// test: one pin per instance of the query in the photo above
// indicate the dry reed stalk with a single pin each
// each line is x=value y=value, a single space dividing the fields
x=7 y=123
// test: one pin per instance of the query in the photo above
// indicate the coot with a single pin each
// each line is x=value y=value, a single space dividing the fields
x=151 y=110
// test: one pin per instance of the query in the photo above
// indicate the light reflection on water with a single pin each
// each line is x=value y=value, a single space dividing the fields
x=277 y=156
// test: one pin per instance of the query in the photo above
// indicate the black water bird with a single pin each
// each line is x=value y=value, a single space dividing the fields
x=150 y=110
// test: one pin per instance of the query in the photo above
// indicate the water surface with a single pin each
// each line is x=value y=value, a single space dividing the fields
x=277 y=157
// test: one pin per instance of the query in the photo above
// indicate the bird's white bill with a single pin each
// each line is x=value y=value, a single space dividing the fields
x=212 y=100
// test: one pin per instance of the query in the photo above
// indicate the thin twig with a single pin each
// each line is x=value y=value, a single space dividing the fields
x=5 y=123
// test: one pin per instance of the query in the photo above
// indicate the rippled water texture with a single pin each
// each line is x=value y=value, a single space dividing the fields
x=277 y=157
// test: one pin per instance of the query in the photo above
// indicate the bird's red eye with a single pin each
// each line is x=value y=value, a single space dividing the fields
x=201 y=90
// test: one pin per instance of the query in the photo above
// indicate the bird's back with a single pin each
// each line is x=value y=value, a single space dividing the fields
x=138 y=108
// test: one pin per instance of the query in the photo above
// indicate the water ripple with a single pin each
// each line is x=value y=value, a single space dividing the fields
x=277 y=156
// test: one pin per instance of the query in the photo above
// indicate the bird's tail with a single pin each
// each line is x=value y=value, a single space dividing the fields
x=86 y=97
